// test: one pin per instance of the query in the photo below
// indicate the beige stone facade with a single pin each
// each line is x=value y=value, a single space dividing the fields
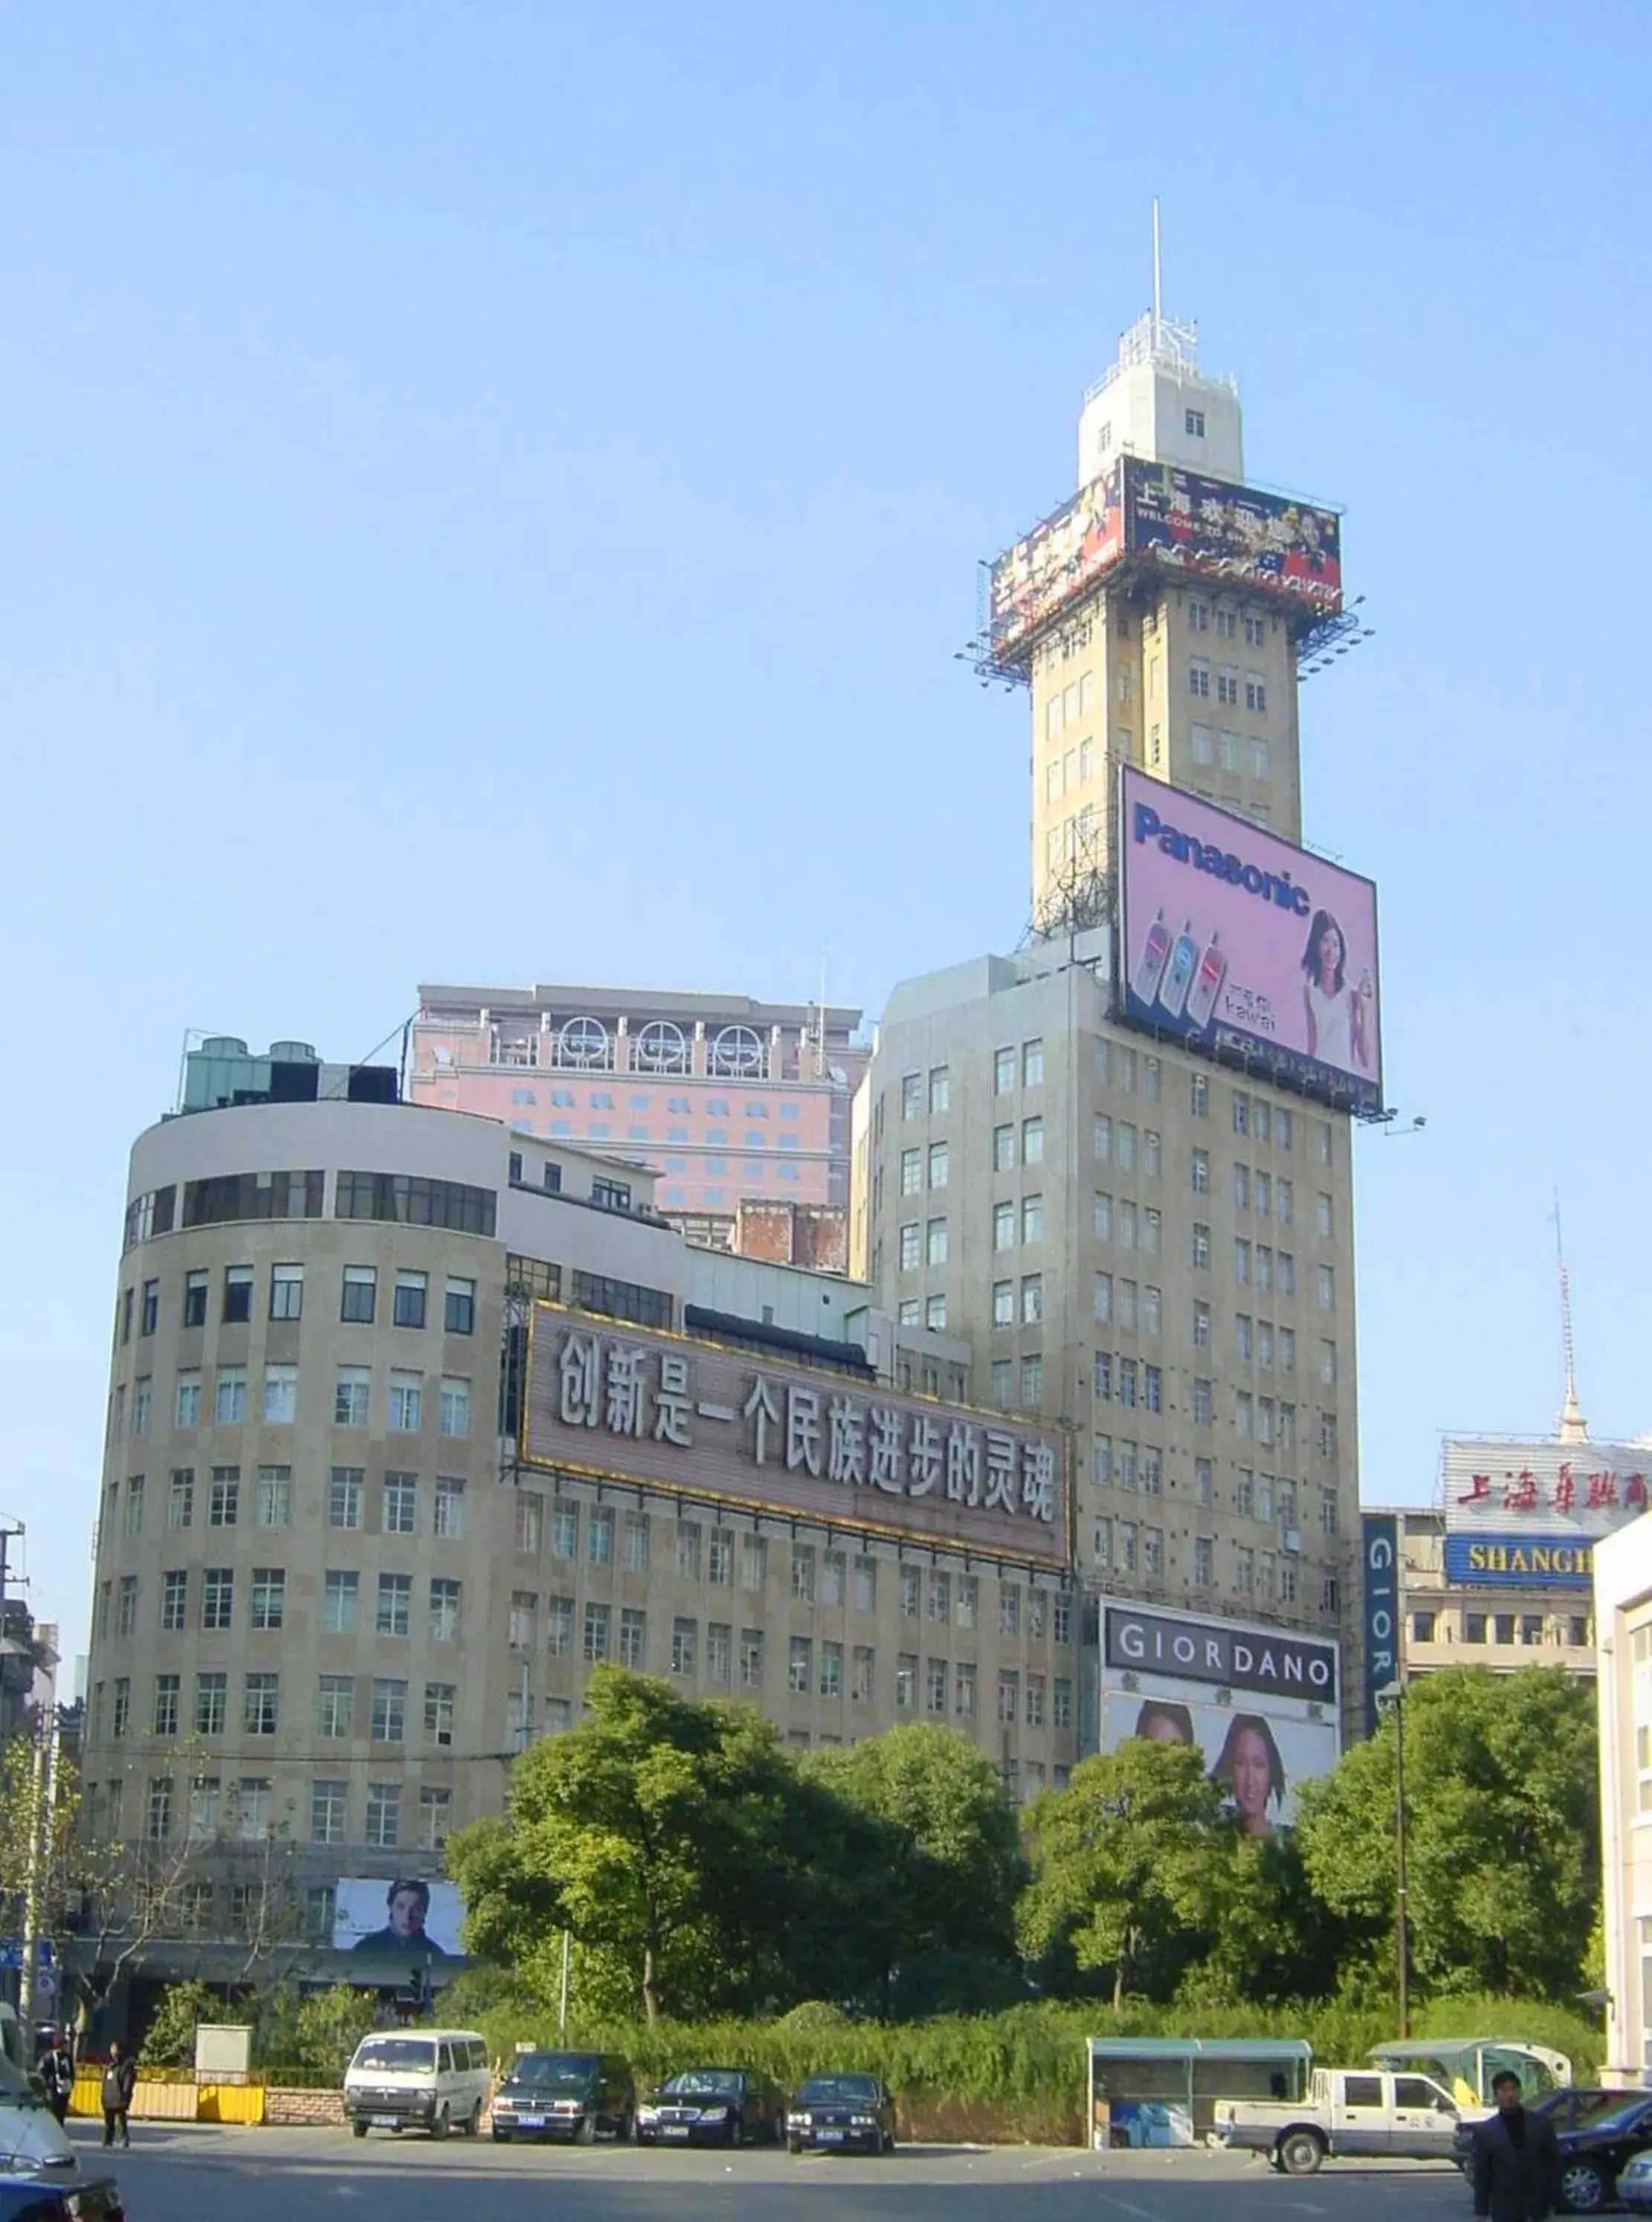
x=1446 y=1623
x=329 y=1607
x=1623 y=1607
x=1154 y=1252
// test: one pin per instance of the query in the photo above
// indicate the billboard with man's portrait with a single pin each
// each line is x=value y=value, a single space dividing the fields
x=397 y=1913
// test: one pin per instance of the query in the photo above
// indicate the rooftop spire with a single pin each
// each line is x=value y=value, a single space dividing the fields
x=1574 y=1428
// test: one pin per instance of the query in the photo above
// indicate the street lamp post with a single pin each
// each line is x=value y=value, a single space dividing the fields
x=1401 y=1926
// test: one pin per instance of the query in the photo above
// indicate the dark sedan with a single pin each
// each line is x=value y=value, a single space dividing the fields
x=711 y=2106
x=1595 y=2153
x=1567 y=2108
x=841 y=2114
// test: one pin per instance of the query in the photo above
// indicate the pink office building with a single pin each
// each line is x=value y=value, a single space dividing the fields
x=729 y=1100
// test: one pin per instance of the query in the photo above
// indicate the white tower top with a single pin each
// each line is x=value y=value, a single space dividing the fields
x=1155 y=401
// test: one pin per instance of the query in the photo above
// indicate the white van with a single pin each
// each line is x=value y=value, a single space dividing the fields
x=418 y=2079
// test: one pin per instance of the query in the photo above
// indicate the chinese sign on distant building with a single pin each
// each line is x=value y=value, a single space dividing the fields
x=1541 y=1488
x=632 y=1404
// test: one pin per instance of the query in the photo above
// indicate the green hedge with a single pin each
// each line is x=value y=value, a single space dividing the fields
x=1016 y=2075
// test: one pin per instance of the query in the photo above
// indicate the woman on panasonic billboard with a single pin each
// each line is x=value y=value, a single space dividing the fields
x=1253 y=1771
x=1337 y=1028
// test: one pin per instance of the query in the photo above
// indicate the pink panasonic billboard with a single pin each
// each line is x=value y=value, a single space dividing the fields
x=1254 y=950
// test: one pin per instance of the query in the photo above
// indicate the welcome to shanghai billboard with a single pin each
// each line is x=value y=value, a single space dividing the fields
x=1248 y=946
x=1226 y=534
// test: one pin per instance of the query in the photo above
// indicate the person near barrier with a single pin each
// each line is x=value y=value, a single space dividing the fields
x=119 y=2079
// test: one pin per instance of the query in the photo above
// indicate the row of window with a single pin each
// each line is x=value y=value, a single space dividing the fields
x=358 y=1299
x=1527 y=1627
x=715 y=1107
x=1228 y=685
x=1199 y=613
x=224 y=1499
x=1125 y=1546
x=246 y=1815
x=407 y=1199
x=277 y=1403
x=714 y=1138
x=266 y=1591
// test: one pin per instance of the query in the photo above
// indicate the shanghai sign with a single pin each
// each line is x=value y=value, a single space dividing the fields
x=701 y=1420
x=1520 y=1561
x=1565 y=1491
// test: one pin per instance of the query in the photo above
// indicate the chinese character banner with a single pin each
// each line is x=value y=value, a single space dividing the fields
x=1575 y=1490
x=636 y=1404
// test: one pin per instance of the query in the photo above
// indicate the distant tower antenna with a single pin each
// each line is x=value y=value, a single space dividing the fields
x=1574 y=1429
x=1159 y=275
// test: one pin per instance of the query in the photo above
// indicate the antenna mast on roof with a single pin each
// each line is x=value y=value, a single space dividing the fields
x=1574 y=1429
x=1158 y=276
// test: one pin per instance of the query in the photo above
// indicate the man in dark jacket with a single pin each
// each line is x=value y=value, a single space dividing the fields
x=1516 y=2161
x=119 y=2079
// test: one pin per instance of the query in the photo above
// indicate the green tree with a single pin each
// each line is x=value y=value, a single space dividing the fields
x=1501 y=1836
x=654 y=1833
x=1129 y=1864
x=939 y=1929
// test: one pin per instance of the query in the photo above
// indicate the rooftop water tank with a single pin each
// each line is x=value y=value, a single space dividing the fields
x=289 y=1053
x=223 y=1046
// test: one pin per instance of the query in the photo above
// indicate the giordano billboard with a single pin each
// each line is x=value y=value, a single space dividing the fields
x=718 y=1425
x=1262 y=1704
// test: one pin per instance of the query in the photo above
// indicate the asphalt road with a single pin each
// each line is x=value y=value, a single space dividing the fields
x=274 y=2175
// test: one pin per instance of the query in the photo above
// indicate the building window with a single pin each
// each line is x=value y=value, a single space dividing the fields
x=401 y=1503
x=938 y=1164
x=1003 y=1071
x=1033 y=1064
x=1255 y=691
x=596 y=1632
x=1198 y=678
x=327 y=1801
x=1032 y=1381
x=445 y=1596
x=360 y=1295
x=906 y=1681
x=1001 y=1377
x=269 y=1597
x=529 y=1516
x=633 y=1634
x=1201 y=1247
x=684 y=1643
x=435 y=1816
x=1032 y=1218
x=912 y=1172
x=211 y=1703
x=384 y=1814
x=911 y=1246
x=218 y=1597
x=719 y=1640
x=799 y=1672
x=229 y=1397
x=1003 y=1227
x=406 y=1415
x=935 y=1241
x=262 y=1705
x=751 y=1659
x=340 y=1595
x=395 y=1616
x=345 y=1489
x=912 y=1096
x=352 y=1397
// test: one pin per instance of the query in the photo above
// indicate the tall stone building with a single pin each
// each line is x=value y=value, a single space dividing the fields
x=1145 y=1238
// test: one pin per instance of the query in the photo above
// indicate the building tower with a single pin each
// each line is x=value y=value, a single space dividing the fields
x=1158 y=618
x=1147 y=1237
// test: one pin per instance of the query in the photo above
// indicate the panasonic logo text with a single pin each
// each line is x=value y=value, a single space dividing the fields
x=1221 y=864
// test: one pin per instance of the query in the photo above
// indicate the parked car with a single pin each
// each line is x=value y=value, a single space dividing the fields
x=1567 y=2109
x=711 y=2106
x=1349 y=2113
x=1635 y=2184
x=32 y=2143
x=1595 y=2153
x=26 y=2199
x=841 y=2114
x=427 y=2079
x=565 y=2095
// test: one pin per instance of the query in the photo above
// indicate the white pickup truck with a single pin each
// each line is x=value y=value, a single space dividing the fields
x=1361 y=2113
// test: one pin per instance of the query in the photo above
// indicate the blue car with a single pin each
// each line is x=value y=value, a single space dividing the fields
x=1635 y=2184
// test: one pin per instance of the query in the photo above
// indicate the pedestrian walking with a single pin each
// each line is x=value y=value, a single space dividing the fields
x=1516 y=2161
x=57 y=2073
x=120 y=2078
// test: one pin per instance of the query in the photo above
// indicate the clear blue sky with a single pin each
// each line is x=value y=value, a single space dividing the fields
x=493 y=492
